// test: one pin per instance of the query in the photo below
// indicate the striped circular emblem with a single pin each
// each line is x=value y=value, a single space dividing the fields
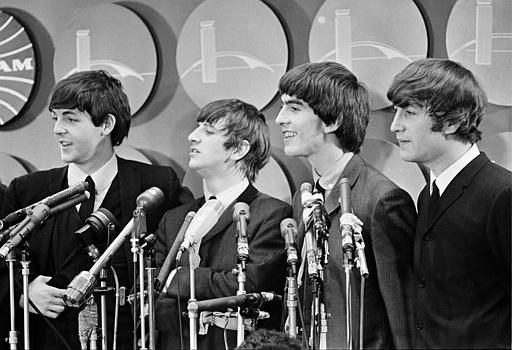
x=17 y=67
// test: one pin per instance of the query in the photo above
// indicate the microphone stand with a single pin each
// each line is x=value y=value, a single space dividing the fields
x=25 y=262
x=150 y=267
x=139 y=217
x=348 y=264
x=291 y=304
x=363 y=270
x=13 y=334
x=192 y=310
x=322 y=233
x=102 y=291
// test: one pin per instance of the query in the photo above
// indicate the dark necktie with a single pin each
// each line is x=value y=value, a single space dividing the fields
x=434 y=198
x=87 y=206
x=319 y=188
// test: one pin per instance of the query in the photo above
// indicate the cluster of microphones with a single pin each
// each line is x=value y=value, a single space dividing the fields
x=17 y=227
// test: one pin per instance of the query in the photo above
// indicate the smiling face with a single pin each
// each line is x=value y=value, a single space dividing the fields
x=302 y=129
x=208 y=155
x=80 y=141
x=418 y=143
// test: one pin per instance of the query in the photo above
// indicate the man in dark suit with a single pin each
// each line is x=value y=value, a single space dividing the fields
x=323 y=118
x=228 y=148
x=462 y=244
x=91 y=115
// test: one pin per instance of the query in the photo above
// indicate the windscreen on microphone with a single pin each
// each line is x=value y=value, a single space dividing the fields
x=241 y=209
x=94 y=230
x=150 y=198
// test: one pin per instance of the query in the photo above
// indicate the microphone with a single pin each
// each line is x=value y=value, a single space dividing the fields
x=150 y=198
x=241 y=217
x=311 y=259
x=168 y=264
x=34 y=218
x=242 y=300
x=17 y=216
x=289 y=233
x=82 y=285
x=95 y=226
x=347 y=238
x=306 y=196
x=205 y=218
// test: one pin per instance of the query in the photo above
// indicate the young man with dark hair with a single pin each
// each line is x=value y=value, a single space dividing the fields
x=91 y=115
x=228 y=148
x=324 y=115
x=462 y=244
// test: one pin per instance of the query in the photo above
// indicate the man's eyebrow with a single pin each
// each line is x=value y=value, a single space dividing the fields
x=294 y=101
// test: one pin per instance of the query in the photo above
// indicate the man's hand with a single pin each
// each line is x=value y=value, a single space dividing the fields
x=47 y=299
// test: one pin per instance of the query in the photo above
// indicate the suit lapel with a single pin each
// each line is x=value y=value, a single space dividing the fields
x=226 y=218
x=454 y=190
x=351 y=172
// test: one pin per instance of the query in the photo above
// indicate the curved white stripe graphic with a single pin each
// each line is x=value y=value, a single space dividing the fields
x=13 y=93
x=14 y=52
x=12 y=37
x=6 y=23
x=20 y=80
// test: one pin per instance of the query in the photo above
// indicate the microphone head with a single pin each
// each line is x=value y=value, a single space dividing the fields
x=150 y=198
x=241 y=208
x=305 y=193
x=100 y=219
x=288 y=225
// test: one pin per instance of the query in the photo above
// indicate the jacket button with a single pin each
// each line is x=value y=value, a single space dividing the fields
x=419 y=325
x=421 y=283
x=426 y=239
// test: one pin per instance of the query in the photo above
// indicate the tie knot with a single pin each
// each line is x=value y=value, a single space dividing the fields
x=319 y=188
x=87 y=207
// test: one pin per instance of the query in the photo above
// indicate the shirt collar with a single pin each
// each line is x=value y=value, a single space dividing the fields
x=102 y=177
x=444 y=179
x=329 y=179
x=229 y=195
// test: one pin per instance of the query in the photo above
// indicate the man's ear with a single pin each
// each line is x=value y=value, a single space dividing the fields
x=108 y=124
x=450 y=129
x=242 y=149
x=328 y=129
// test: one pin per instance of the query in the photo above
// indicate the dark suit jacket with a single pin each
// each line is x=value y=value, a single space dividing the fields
x=389 y=217
x=462 y=262
x=134 y=178
x=214 y=277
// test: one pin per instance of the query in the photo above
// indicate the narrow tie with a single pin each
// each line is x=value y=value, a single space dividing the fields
x=87 y=206
x=434 y=198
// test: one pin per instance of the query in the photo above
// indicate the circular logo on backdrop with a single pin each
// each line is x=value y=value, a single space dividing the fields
x=375 y=39
x=479 y=35
x=126 y=50
x=232 y=49
x=17 y=67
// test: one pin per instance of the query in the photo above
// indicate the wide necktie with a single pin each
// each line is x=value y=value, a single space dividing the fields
x=87 y=206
